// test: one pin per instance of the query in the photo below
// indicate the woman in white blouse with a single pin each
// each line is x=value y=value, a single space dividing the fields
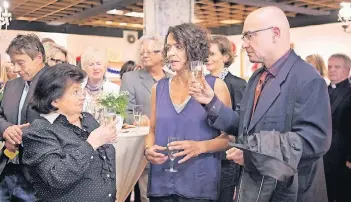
x=94 y=62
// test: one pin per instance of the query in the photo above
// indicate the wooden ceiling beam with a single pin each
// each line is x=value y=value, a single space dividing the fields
x=284 y=7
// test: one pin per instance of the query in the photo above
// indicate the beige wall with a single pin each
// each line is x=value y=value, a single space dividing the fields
x=320 y=39
x=118 y=48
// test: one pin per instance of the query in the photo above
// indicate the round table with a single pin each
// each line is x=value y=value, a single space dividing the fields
x=130 y=160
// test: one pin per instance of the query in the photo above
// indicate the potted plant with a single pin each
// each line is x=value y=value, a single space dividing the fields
x=115 y=103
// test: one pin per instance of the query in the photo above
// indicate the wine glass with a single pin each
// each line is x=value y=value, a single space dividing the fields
x=109 y=115
x=196 y=69
x=137 y=113
x=171 y=155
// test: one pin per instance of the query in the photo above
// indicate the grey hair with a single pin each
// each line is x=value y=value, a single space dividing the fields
x=346 y=58
x=153 y=37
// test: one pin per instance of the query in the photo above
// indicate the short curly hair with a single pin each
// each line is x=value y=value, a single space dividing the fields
x=194 y=38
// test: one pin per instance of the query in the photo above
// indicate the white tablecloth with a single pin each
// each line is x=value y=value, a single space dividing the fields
x=130 y=160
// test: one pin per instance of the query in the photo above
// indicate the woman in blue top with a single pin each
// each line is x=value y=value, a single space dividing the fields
x=175 y=114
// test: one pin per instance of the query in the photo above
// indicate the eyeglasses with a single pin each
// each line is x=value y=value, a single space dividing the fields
x=58 y=61
x=248 y=35
x=149 y=52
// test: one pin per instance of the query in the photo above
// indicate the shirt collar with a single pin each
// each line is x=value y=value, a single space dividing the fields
x=340 y=84
x=274 y=70
x=51 y=117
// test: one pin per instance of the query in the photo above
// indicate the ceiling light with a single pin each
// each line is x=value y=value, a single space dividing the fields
x=135 y=14
x=115 y=12
x=122 y=23
x=137 y=25
x=109 y=22
x=230 y=21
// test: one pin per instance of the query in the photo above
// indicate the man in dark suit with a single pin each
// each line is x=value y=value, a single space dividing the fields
x=340 y=100
x=285 y=95
x=28 y=56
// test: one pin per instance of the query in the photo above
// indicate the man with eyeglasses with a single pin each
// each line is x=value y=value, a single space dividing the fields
x=139 y=84
x=28 y=56
x=283 y=124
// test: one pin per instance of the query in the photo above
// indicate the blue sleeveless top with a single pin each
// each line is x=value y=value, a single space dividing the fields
x=198 y=177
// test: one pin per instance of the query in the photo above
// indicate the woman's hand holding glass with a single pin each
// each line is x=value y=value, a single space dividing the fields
x=105 y=134
x=187 y=148
x=153 y=155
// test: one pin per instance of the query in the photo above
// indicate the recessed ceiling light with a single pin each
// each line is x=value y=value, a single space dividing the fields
x=137 y=25
x=26 y=18
x=135 y=14
x=108 y=22
x=230 y=21
x=115 y=12
x=123 y=23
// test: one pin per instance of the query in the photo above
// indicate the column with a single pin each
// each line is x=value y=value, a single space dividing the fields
x=159 y=15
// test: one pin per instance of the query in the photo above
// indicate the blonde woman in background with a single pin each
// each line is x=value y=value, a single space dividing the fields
x=6 y=71
x=317 y=62
x=56 y=54
x=94 y=63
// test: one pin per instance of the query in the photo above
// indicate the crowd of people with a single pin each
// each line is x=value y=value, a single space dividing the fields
x=281 y=136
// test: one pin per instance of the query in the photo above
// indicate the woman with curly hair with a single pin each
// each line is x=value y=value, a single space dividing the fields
x=175 y=114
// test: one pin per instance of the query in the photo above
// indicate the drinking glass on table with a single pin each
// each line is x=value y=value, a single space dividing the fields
x=138 y=114
x=171 y=155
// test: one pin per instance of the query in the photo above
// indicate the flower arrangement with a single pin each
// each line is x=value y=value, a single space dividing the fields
x=115 y=101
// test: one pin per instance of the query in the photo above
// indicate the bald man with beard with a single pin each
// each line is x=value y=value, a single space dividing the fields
x=283 y=124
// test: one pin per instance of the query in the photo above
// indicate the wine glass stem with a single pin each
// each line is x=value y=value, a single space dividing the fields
x=172 y=164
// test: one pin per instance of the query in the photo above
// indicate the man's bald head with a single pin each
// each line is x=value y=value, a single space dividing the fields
x=266 y=35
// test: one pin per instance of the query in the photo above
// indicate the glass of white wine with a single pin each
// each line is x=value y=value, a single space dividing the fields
x=196 y=69
x=109 y=116
x=171 y=155
x=138 y=114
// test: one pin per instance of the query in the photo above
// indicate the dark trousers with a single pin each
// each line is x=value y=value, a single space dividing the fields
x=136 y=194
x=176 y=198
x=230 y=173
x=14 y=187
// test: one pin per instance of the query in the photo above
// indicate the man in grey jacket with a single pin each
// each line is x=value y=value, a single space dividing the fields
x=286 y=95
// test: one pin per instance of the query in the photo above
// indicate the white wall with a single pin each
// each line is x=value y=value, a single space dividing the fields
x=118 y=48
x=319 y=39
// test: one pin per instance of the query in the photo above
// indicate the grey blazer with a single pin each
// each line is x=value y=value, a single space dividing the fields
x=9 y=107
x=139 y=85
x=299 y=92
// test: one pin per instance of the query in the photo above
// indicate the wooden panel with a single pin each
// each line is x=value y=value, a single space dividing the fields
x=209 y=12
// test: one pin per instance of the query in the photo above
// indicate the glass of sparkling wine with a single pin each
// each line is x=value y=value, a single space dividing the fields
x=171 y=155
x=109 y=116
x=196 y=69
x=137 y=113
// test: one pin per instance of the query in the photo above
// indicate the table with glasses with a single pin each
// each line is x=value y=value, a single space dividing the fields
x=130 y=160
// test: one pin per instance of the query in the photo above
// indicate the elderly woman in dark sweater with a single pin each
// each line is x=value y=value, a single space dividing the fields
x=67 y=153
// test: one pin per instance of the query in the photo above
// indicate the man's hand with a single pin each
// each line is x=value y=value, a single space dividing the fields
x=13 y=134
x=201 y=92
x=236 y=155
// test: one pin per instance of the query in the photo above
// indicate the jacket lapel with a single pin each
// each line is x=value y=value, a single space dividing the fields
x=271 y=91
x=146 y=80
x=15 y=94
x=26 y=104
x=340 y=97
x=249 y=97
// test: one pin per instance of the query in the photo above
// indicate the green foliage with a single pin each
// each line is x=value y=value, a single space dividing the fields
x=116 y=101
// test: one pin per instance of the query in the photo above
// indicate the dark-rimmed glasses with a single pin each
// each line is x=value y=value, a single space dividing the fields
x=248 y=35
